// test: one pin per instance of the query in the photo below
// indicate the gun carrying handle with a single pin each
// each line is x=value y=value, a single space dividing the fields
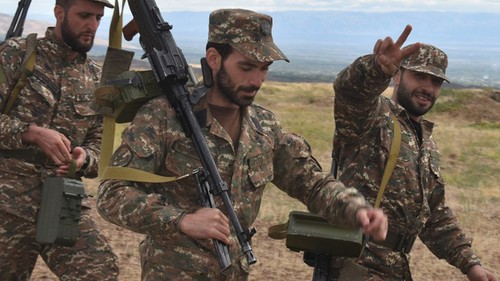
x=207 y=73
x=130 y=30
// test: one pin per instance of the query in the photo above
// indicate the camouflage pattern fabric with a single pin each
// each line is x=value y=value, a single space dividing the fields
x=428 y=59
x=65 y=109
x=246 y=31
x=89 y=259
x=155 y=142
x=414 y=199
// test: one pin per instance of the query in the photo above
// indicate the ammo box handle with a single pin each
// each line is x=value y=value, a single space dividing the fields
x=278 y=231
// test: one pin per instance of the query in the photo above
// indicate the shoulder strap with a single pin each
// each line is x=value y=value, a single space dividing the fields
x=389 y=167
x=25 y=70
x=391 y=161
x=131 y=174
x=109 y=124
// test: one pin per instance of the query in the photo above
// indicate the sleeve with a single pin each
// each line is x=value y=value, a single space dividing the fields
x=92 y=146
x=93 y=138
x=10 y=128
x=134 y=205
x=357 y=90
x=444 y=237
x=298 y=173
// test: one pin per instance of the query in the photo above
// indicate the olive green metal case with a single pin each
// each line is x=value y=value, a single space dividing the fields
x=60 y=211
x=311 y=233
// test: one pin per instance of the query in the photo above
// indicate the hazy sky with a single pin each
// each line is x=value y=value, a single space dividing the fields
x=45 y=6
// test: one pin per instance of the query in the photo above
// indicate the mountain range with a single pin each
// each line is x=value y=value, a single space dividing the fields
x=321 y=43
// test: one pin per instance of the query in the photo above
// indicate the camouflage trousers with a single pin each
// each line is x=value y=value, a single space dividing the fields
x=90 y=259
x=164 y=259
x=376 y=264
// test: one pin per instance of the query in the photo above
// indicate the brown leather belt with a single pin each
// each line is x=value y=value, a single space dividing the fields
x=26 y=155
x=398 y=242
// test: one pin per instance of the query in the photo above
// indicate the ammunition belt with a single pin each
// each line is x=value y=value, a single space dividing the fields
x=27 y=155
x=398 y=242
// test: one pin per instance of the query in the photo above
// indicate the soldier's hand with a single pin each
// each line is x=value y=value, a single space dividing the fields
x=206 y=223
x=79 y=155
x=388 y=54
x=54 y=144
x=373 y=222
x=478 y=273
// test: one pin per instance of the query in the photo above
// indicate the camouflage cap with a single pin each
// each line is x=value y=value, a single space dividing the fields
x=428 y=59
x=246 y=31
x=105 y=2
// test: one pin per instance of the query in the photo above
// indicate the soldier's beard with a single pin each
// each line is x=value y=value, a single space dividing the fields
x=404 y=98
x=71 y=39
x=227 y=89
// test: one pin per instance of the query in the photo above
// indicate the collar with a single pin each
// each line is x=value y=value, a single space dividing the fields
x=58 y=49
x=402 y=114
x=205 y=117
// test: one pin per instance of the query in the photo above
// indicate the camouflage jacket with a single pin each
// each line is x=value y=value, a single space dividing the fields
x=56 y=96
x=414 y=199
x=155 y=142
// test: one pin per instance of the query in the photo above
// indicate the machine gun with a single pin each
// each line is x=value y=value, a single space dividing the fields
x=171 y=71
x=17 y=24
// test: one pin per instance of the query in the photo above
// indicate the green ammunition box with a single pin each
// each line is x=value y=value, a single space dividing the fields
x=60 y=211
x=311 y=233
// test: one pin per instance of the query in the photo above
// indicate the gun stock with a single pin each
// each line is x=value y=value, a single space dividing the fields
x=171 y=71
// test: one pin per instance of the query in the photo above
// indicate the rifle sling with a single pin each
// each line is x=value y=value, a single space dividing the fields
x=131 y=174
x=25 y=70
x=391 y=161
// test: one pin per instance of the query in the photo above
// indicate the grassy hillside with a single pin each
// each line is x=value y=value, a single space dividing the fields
x=468 y=132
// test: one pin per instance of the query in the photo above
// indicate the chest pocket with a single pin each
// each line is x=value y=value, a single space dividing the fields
x=37 y=91
x=260 y=169
x=182 y=158
x=434 y=164
x=82 y=103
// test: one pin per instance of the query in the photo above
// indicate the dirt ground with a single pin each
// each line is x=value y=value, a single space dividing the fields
x=276 y=262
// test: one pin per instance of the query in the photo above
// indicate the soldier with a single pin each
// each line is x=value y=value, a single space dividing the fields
x=49 y=124
x=414 y=198
x=250 y=149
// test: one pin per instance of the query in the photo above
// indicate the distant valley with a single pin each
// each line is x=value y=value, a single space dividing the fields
x=320 y=44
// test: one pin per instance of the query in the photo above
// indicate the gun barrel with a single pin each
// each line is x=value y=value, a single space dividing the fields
x=17 y=25
x=171 y=71
x=207 y=201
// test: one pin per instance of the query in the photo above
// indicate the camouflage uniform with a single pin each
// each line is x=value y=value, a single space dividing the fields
x=155 y=142
x=56 y=96
x=414 y=199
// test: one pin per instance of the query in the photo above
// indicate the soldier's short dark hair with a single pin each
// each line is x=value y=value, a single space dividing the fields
x=65 y=3
x=223 y=49
x=68 y=3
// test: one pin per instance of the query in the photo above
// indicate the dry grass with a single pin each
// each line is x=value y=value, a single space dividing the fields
x=468 y=137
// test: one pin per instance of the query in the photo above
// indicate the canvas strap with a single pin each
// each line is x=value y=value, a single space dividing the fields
x=109 y=124
x=24 y=71
x=278 y=231
x=131 y=174
x=118 y=63
x=389 y=166
x=72 y=169
x=391 y=161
